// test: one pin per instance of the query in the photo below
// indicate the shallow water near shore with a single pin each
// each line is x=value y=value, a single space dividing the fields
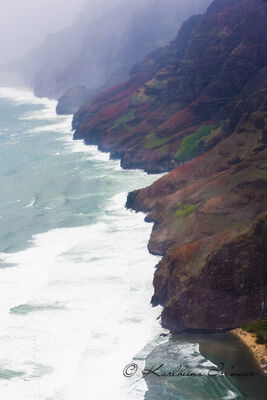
x=76 y=276
x=227 y=369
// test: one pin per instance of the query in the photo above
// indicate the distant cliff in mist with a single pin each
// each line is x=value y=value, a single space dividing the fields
x=96 y=53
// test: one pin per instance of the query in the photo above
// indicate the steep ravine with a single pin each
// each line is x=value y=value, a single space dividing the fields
x=199 y=109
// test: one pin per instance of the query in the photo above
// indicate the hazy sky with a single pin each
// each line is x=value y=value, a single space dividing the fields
x=25 y=23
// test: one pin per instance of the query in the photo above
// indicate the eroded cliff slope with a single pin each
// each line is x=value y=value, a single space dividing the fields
x=203 y=98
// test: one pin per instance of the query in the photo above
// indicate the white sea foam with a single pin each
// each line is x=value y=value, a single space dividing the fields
x=60 y=127
x=77 y=146
x=75 y=305
x=32 y=203
x=47 y=113
x=102 y=274
x=24 y=96
x=230 y=396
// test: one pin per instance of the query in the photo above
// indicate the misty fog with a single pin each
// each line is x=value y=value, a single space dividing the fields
x=52 y=46
x=24 y=24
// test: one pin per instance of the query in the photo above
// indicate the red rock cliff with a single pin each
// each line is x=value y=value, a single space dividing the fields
x=203 y=98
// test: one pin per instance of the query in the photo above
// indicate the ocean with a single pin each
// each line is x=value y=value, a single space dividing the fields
x=76 y=277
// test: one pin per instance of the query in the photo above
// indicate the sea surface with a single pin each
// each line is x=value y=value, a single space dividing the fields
x=76 y=277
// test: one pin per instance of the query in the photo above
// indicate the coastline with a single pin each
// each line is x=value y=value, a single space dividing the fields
x=259 y=351
x=118 y=278
x=156 y=388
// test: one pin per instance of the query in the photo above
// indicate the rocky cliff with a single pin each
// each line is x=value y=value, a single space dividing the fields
x=177 y=101
x=199 y=108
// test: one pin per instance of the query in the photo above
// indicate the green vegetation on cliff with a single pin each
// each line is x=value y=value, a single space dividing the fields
x=154 y=141
x=184 y=210
x=259 y=328
x=157 y=84
x=141 y=97
x=124 y=118
x=190 y=145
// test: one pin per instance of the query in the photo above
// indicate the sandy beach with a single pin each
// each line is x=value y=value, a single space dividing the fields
x=259 y=350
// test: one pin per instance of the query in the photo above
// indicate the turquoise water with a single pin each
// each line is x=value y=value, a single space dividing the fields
x=47 y=182
x=76 y=276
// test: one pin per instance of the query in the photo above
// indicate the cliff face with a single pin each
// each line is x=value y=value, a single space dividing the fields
x=203 y=98
x=210 y=224
x=213 y=274
x=177 y=108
